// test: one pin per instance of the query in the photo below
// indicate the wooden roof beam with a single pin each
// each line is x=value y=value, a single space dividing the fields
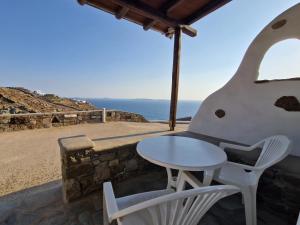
x=145 y=10
x=155 y=15
x=165 y=9
x=170 y=5
x=211 y=6
x=150 y=23
x=121 y=12
x=188 y=30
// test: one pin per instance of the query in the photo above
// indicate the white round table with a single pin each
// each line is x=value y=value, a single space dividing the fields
x=183 y=154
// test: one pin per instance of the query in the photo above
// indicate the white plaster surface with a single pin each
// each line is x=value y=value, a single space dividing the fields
x=249 y=106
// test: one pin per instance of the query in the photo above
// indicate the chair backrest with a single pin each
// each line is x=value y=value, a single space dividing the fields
x=185 y=207
x=274 y=149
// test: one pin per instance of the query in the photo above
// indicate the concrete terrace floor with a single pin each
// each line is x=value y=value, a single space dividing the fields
x=43 y=205
x=30 y=172
x=31 y=157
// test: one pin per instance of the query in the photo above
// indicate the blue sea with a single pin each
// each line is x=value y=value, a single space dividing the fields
x=151 y=109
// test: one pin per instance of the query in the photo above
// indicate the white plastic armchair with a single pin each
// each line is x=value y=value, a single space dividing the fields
x=164 y=207
x=246 y=177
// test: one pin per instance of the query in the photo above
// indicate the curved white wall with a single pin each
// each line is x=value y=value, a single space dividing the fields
x=250 y=111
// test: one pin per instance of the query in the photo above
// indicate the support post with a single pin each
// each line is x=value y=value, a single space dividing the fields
x=103 y=115
x=175 y=78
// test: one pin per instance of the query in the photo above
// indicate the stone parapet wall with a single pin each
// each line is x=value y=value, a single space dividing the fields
x=15 y=122
x=85 y=170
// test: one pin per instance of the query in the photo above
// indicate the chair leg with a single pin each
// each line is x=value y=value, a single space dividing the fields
x=105 y=216
x=170 y=179
x=249 y=197
x=208 y=177
x=180 y=182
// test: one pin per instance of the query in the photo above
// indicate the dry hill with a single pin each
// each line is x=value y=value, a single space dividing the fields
x=15 y=100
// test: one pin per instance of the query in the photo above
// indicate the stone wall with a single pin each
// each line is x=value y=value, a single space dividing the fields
x=85 y=170
x=14 y=122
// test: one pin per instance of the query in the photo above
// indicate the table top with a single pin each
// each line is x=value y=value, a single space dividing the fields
x=181 y=153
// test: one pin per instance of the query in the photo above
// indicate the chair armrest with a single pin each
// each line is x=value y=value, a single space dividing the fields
x=224 y=145
x=246 y=167
x=110 y=200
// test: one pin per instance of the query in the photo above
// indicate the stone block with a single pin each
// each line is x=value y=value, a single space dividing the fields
x=71 y=190
x=107 y=156
x=4 y=119
x=123 y=154
x=113 y=163
x=76 y=143
x=88 y=184
x=79 y=170
x=131 y=165
x=102 y=172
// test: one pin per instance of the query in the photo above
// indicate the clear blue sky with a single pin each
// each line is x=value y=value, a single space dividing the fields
x=61 y=47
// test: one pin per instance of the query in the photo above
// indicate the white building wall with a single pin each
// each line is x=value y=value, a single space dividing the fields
x=250 y=111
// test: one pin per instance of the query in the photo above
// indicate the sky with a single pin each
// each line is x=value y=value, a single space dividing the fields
x=61 y=47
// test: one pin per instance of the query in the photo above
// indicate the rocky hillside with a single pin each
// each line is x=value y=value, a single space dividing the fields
x=15 y=100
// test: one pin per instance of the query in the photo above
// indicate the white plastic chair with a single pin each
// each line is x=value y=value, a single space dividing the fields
x=246 y=177
x=164 y=207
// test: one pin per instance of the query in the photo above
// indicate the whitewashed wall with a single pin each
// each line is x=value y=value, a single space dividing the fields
x=249 y=106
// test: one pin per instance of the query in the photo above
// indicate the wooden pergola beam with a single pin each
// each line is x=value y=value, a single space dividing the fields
x=141 y=8
x=150 y=23
x=146 y=10
x=175 y=78
x=188 y=30
x=211 y=6
x=170 y=5
x=165 y=9
x=121 y=12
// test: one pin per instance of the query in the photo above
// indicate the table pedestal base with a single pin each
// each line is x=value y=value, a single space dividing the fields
x=178 y=182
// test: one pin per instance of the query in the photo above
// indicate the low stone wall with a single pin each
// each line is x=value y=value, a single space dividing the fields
x=14 y=122
x=85 y=170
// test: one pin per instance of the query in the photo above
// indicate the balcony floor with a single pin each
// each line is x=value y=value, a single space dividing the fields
x=43 y=205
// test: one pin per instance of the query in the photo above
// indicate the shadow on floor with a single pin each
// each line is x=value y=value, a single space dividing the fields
x=43 y=205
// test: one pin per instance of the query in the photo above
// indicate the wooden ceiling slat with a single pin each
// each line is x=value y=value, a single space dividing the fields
x=145 y=10
x=150 y=23
x=208 y=8
x=170 y=5
x=165 y=8
x=169 y=14
x=122 y=12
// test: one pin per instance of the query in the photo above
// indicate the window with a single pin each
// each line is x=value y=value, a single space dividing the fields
x=281 y=62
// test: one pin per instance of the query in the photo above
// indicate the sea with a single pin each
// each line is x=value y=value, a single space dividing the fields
x=151 y=109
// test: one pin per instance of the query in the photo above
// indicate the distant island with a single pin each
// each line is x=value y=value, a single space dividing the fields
x=16 y=100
